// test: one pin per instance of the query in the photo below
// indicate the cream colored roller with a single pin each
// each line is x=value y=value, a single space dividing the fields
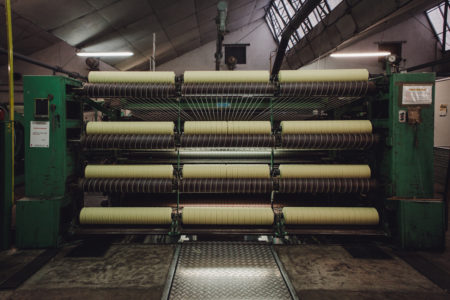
x=331 y=215
x=323 y=75
x=128 y=171
x=326 y=127
x=226 y=76
x=126 y=215
x=131 y=77
x=205 y=127
x=227 y=127
x=249 y=127
x=226 y=171
x=227 y=216
x=130 y=128
x=324 y=171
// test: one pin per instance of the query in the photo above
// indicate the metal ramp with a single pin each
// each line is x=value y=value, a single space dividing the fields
x=227 y=270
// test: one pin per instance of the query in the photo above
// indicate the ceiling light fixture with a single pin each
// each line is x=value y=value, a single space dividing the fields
x=100 y=54
x=361 y=54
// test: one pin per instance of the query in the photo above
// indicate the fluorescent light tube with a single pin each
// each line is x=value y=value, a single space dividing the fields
x=99 y=54
x=361 y=54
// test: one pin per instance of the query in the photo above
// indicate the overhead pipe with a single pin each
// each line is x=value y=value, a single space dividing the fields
x=428 y=64
x=291 y=27
x=56 y=69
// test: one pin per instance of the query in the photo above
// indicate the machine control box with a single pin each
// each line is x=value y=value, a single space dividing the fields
x=41 y=108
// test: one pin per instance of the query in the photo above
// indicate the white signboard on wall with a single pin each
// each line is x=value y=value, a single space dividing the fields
x=39 y=134
x=414 y=94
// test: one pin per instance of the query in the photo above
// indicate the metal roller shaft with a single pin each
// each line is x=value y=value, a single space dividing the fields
x=206 y=89
x=131 y=185
x=328 y=141
x=321 y=89
x=129 y=141
x=325 y=185
x=222 y=185
x=217 y=140
x=120 y=90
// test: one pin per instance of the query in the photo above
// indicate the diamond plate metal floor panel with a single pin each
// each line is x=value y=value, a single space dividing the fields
x=227 y=270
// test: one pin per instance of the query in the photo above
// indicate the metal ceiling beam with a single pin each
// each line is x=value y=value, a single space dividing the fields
x=379 y=24
x=291 y=27
x=445 y=26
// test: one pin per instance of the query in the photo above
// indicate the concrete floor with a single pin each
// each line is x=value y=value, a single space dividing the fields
x=330 y=272
x=125 y=271
x=137 y=270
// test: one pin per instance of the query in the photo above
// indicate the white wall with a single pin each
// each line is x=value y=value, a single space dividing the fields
x=60 y=54
x=256 y=34
x=419 y=47
x=442 y=124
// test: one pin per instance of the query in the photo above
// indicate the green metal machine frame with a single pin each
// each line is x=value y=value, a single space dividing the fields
x=403 y=162
x=50 y=202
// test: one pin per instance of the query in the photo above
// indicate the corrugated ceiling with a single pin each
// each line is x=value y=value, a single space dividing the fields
x=125 y=25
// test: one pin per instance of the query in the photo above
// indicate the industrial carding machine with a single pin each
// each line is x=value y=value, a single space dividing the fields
x=234 y=152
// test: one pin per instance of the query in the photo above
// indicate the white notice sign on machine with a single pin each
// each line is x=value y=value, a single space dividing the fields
x=417 y=94
x=39 y=134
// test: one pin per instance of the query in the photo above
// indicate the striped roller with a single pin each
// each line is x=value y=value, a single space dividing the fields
x=129 y=141
x=208 y=89
x=129 y=185
x=225 y=185
x=325 y=185
x=130 y=90
x=328 y=141
x=323 y=89
x=223 y=140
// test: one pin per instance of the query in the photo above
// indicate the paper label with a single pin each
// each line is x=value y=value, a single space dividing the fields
x=417 y=94
x=443 y=110
x=39 y=134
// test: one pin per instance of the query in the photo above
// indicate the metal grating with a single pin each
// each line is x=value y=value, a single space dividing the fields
x=280 y=13
x=227 y=271
x=438 y=18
